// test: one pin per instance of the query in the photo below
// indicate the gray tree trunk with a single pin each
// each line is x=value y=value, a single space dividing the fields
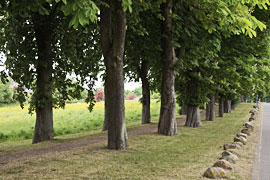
x=146 y=117
x=227 y=106
x=207 y=112
x=193 y=118
x=167 y=121
x=113 y=33
x=212 y=109
x=105 y=123
x=220 y=107
x=44 y=112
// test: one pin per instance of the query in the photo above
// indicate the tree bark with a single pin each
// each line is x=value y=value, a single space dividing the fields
x=113 y=33
x=193 y=116
x=105 y=123
x=207 y=112
x=227 y=106
x=220 y=108
x=212 y=109
x=146 y=117
x=44 y=112
x=167 y=121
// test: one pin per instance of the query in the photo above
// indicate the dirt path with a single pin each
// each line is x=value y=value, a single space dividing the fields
x=66 y=145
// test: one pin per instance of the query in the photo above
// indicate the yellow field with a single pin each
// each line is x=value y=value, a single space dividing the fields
x=16 y=123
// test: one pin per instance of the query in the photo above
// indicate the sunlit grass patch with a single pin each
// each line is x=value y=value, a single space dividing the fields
x=16 y=123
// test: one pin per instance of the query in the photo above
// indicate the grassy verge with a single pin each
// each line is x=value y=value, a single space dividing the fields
x=185 y=156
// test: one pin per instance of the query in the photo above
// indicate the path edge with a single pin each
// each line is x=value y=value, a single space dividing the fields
x=256 y=165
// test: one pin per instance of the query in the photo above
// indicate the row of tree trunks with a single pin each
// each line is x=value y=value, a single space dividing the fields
x=183 y=110
x=44 y=111
x=113 y=32
x=167 y=121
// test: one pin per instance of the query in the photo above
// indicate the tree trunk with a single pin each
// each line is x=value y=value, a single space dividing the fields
x=113 y=33
x=183 y=110
x=212 y=109
x=146 y=117
x=207 y=112
x=44 y=112
x=167 y=121
x=227 y=106
x=193 y=118
x=105 y=123
x=220 y=108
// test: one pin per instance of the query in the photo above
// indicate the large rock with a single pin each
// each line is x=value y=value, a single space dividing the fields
x=215 y=173
x=246 y=131
x=249 y=125
x=252 y=118
x=241 y=135
x=234 y=151
x=241 y=140
x=223 y=164
x=231 y=146
x=230 y=157
x=253 y=111
x=239 y=143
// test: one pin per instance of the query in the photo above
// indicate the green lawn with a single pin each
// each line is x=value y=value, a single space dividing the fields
x=185 y=156
x=16 y=123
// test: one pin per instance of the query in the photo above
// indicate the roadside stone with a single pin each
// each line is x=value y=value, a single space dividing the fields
x=249 y=125
x=230 y=157
x=231 y=146
x=242 y=135
x=234 y=151
x=246 y=131
x=251 y=119
x=241 y=140
x=253 y=111
x=215 y=173
x=239 y=143
x=223 y=164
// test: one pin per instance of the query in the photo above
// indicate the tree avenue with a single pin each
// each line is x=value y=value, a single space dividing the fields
x=198 y=52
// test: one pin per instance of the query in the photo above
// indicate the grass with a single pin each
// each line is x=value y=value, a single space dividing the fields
x=16 y=123
x=183 y=157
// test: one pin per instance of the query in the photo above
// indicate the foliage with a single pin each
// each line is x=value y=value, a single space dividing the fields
x=72 y=51
x=138 y=91
x=6 y=93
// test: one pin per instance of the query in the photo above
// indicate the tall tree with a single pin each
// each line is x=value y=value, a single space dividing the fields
x=113 y=32
x=37 y=42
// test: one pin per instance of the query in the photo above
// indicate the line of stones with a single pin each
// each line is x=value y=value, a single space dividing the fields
x=231 y=153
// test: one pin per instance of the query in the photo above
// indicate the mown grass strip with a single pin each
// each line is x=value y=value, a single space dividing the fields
x=154 y=156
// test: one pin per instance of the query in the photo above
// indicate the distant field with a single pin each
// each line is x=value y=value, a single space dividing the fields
x=16 y=123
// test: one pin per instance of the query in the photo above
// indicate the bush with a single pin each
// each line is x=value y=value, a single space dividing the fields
x=99 y=96
x=131 y=96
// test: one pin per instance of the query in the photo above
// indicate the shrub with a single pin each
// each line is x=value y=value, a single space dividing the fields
x=99 y=96
x=131 y=96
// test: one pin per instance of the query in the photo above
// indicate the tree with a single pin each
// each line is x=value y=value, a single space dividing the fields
x=142 y=47
x=40 y=53
x=113 y=32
